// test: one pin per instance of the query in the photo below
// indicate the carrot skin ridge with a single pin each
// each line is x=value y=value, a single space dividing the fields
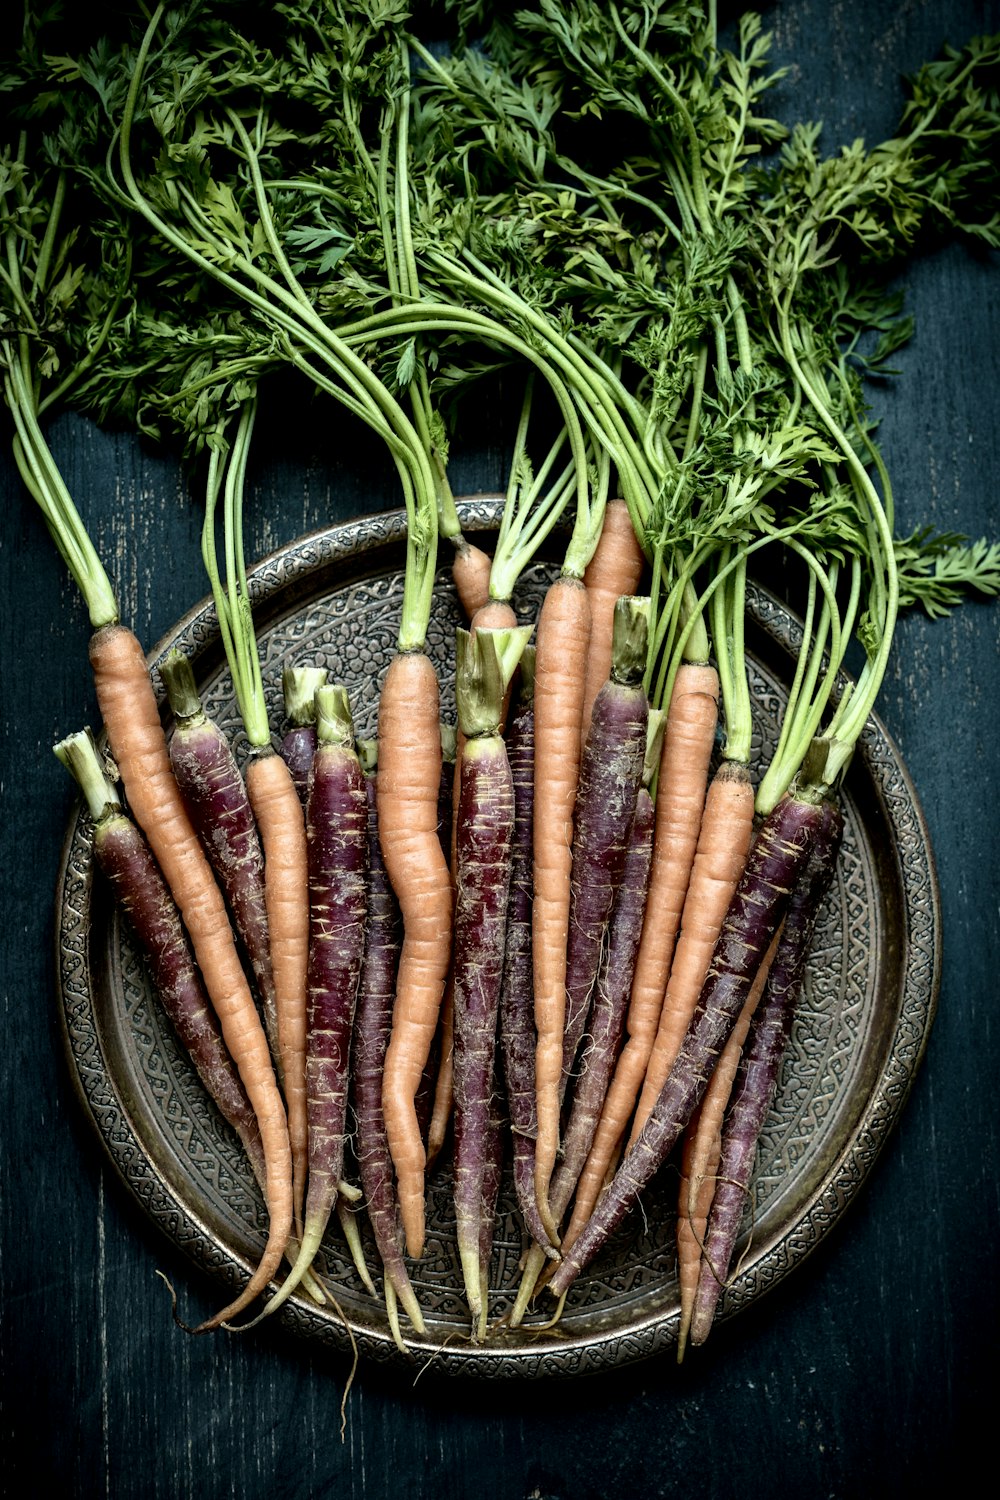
x=758 y=907
x=485 y=833
x=372 y=1023
x=610 y=1003
x=615 y=569
x=338 y=894
x=132 y=720
x=688 y=741
x=610 y=776
x=126 y=861
x=216 y=797
x=297 y=749
x=560 y=675
x=408 y=783
x=720 y=857
x=517 y=1018
x=757 y=1075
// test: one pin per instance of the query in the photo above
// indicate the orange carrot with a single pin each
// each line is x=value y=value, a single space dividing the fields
x=701 y=1152
x=132 y=720
x=723 y=844
x=471 y=572
x=560 y=678
x=680 y=798
x=408 y=785
x=697 y=1190
x=278 y=811
x=615 y=569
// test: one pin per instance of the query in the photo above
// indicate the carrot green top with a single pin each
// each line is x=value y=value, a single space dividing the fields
x=80 y=756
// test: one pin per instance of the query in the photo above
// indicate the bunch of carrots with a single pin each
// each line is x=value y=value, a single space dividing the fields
x=570 y=913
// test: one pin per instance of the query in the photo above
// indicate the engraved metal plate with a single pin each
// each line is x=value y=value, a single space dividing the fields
x=333 y=599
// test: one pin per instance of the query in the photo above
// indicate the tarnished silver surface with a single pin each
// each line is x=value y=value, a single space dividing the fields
x=333 y=599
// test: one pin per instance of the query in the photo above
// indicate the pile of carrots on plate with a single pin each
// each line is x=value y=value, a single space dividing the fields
x=372 y=883
x=568 y=933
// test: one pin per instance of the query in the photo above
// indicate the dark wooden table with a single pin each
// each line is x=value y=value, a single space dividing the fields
x=870 y=1369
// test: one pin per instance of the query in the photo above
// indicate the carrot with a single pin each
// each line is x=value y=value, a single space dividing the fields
x=270 y=786
x=610 y=776
x=757 y=1073
x=485 y=834
x=700 y=1156
x=337 y=889
x=778 y=854
x=723 y=843
x=126 y=861
x=517 y=1021
x=132 y=720
x=560 y=680
x=408 y=783
x=203 y=762
x=131 y=717
x=276 y=806
x=373 y=1020
x=614 y=570
x=471 y=571
x=491 y=614
x=687 y=749
x=606 y=1025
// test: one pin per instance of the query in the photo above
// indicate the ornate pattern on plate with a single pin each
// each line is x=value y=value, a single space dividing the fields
x=334 y=599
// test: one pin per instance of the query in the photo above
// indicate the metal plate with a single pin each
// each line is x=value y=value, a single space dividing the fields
x=334 y=599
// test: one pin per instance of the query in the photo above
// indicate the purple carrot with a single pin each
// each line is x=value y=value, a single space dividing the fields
x=757 y=1074
x=372 y=1023
x=216 y=797
x=337 y=819
x=517 y=1003
x=124 y=857
x=610 y=774
x=483 y=843
x=298 y=746
x=757 y=908
x=611 y=996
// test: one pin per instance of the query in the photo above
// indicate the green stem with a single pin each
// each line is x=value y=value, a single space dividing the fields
x=45 y=484
x=855 y=718
x=728 y=609
x=232 y=601
x=79 y=754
